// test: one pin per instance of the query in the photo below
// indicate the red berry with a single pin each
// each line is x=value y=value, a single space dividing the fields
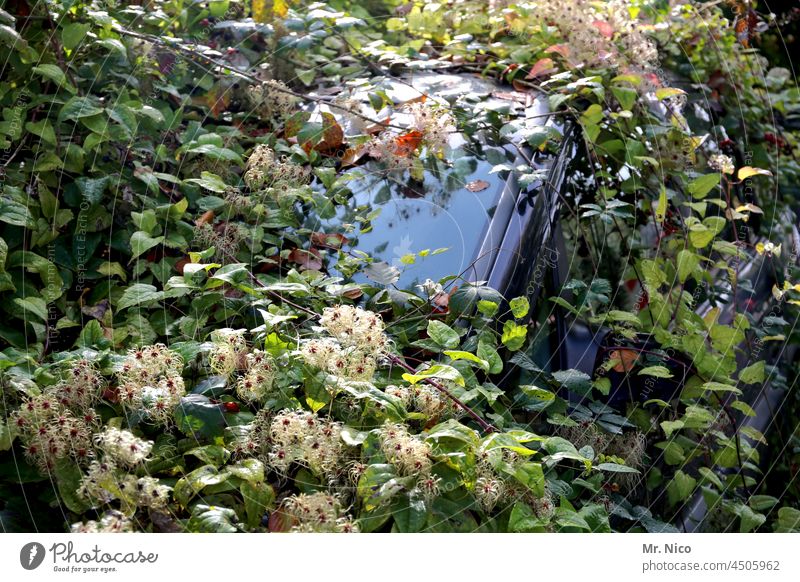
x=231 y=407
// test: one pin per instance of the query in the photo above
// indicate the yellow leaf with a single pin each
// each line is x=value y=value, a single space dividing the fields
x=661 y=207
x=748 y=171
x=262 y=10
x=280 y=7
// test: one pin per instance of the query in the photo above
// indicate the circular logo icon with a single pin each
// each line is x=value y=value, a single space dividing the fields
x=31 y=555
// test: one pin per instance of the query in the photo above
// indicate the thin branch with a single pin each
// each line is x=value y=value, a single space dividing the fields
x=483 y=424
x=194 y=56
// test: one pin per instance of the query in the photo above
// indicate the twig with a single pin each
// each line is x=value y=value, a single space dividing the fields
x=483 y=424
x=193 y=55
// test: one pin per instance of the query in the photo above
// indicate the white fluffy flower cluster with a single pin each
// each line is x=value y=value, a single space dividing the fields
x=151 y=382
x=104 y=482
x=228 y=352
x=598 y=33
x=122 y=446
x=357 y=340
x=426 y=399
x=80 y=390
x=50 y=432
x=409 y=454
x=111 y=522
x=435 y=123
x=355 y=327
x=431 y=128
x=329 y=355
x=258 y=379
x=317 y=512
x=721 y=163
x=265 y=170
x=272 y=100
x=303 y=437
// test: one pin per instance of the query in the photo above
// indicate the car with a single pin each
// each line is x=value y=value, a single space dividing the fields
x=509 y=237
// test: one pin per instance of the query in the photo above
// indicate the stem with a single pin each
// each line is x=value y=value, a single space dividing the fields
x=483 y=424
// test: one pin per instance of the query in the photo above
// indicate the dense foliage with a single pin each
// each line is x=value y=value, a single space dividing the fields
x=183 y=350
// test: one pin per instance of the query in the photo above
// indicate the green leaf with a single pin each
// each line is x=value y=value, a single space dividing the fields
x=439 y=372
x=680 y=488
x=138 y=294
x=92 y=189
x=519 y=307
x=79 y=107
x=73 y=34
x=661 y=207
x=142 y=242
x=196 y=416
x=258 y=498
x=68 y=477
x=216 y=153
x=443 y=334
x=523 y=519
x=212 y=519
x=43 y=129
x=55 y=74
x=666 y=92
x=110 y=269
x=753 y=374
x=656 y=371
x=700 y=187
x=214 y=455
x=710 y=476
x=210 y=182
x=472 y=358
x=687 y=263
x=194 y=482
x=514 y=335
x=33 y=305
x=251 y=470
x=626 y=96
x=409 y=512
x=574 y=380
x=615 y=468
x=720 y=387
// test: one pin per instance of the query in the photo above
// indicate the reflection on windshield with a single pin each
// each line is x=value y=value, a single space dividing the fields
x=437 y=212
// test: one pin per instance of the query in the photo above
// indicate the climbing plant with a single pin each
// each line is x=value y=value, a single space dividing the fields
x=182 y=352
